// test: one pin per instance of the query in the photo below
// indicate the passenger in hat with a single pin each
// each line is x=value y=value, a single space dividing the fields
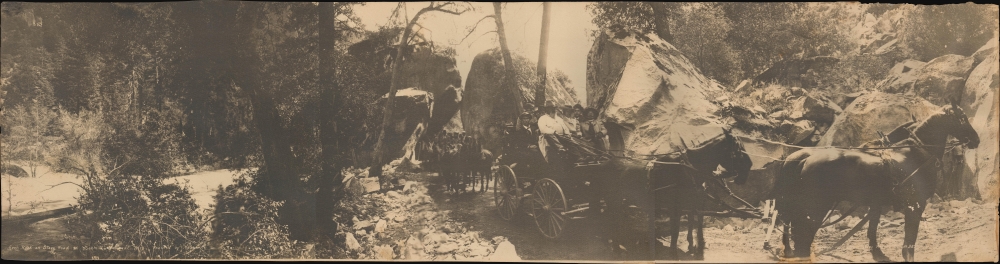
x=572 y=121
x=593 y=129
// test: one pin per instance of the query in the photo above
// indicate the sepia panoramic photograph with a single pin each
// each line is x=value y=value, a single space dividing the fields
x=493 y=131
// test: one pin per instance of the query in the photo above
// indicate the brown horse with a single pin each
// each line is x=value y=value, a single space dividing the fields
x=812 y=181
x=681 y=183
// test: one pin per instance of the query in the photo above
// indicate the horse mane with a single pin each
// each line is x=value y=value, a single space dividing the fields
x=900 y=133
x=705 y=143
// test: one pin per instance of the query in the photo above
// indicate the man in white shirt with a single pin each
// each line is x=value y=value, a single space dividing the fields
x=550 y=125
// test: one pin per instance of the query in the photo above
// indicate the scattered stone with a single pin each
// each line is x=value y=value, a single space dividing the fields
x=362 y=225
x=479 y=251
x=436 y=237
x=447 y=248
x=728 y=229
x=400 y=218
x=499 y=239
x=409 y=187
x=413 y=249
x=384 y=252
x=807 y=107
x=777 y=115
x=380 y=226
x=352 y=243
x=370 y=184
x=393 y=195
x=505 y=252
x=361 y=232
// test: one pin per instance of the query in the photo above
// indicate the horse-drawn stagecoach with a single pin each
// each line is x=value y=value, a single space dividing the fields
x=559 y=189
x=898 y=170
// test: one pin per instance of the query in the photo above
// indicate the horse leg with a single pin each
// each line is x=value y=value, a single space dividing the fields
x=874 y=216
x=786 y=239
x=690 y=234
x=804 y=232
x=700 y=253
x=675 y=222
x=910 y=227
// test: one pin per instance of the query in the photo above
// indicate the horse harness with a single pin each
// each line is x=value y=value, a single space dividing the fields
x=892 y=168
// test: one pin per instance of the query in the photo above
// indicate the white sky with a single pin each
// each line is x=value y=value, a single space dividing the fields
x=569 y=39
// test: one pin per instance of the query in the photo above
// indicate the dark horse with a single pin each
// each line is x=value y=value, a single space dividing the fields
x=903 y=175
x=679 y=183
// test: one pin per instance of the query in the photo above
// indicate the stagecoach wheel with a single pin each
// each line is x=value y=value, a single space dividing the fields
x=547 y=208
x=506 y=192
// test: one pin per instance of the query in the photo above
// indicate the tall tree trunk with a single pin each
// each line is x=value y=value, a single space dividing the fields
x=330 y=183
x=661 y=19
x=543 y=55
x=397 y=69
x=281 y=183
x=509 y=80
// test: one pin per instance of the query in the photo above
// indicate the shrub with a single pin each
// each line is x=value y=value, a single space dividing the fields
x=245 y=223
x=28 y=136
x=125 y=217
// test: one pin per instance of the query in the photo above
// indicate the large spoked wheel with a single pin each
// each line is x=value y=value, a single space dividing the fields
x=506 y=192
x=548 y=207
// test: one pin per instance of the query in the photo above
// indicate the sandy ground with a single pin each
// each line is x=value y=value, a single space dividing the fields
x=951 y=231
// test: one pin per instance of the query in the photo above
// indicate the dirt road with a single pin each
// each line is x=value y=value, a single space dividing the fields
x=952 y=231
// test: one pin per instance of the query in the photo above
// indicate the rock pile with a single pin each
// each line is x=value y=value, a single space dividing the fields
x=413 y=228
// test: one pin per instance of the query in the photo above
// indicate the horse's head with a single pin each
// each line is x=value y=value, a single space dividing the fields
x=954 y=120
x=738 y=163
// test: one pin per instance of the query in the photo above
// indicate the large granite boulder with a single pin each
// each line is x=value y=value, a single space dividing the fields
x=487 y=105
x=425 y=67
x=939 y=80
x=409 y=121
x=650 y=95
x=980 y=104
x=873 y=112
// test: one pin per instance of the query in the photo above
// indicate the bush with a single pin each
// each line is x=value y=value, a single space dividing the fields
x=124 y=217
x=28 y=137
x=144 y=143
x=81 y=135
x=929 y=31
x=245 y=223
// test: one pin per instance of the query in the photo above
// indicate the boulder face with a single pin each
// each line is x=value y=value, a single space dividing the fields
x=410 y=115
x=980 y=104
x=937 y=81
x=874 y=112
x=487 y=105
x=650 y=95
x=424 y=68
x=438 y=74
x=984 y=52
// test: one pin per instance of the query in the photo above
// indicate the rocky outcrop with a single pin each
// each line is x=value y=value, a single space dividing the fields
x=984 y=52
x=411 y=112
x=871 y=113
x=937 y=81
x=980 y=104
x=791 y=71
x=487 y=105
x=810 y=108
x=649 y=93
x=425 y=68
